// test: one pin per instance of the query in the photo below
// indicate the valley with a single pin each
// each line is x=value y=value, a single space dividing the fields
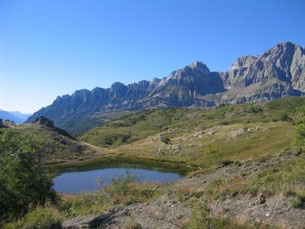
x=152 y=114
x=238 y=158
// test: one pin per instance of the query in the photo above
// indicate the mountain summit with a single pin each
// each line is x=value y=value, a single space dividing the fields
x=278 y=72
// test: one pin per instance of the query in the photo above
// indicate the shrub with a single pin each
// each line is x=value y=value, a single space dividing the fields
x=23 y=182
x=41 y=217
x=124 y=189
x=165 y=139
x=284 y=117
x=225 y=123
x=297 y=200
x=255 y=109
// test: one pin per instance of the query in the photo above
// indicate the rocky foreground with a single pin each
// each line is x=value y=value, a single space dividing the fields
x=191 y=201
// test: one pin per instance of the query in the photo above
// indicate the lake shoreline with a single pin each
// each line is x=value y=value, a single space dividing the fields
x=77 y=182
x=179 y=167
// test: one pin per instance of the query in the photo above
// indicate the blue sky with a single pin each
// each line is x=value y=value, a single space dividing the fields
x=54 y=47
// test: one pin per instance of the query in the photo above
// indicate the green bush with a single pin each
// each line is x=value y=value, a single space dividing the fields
x=296 y=199
x=285 y=117
x=165 y=139
x=255 y=109
x=23 y=182
x=41 y=217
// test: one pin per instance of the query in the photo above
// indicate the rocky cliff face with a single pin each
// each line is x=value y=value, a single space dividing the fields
x=185 y=87
x=278 y=72
x=284 y=62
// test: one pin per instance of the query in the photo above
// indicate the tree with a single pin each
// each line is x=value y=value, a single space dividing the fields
x=23 y=181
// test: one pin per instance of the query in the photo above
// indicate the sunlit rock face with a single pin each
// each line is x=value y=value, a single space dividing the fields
x=278 y=72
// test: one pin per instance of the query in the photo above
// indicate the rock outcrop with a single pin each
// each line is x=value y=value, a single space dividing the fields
x=43 y=121
x=278 y=72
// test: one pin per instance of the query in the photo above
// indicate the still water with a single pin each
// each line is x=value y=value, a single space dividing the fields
x=86 y=181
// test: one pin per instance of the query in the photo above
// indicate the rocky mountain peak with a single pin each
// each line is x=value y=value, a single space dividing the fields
x=286 y=44
x=284 y=49
x=244 y=61
x=196 y=69
x=81 y=94
x=199 y=66
x=97 y=90
x=118 y=90
x=118 y=86
x=278 y=72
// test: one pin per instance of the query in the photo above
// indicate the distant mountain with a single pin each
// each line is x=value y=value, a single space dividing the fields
x=14 y=116
x=20 y=115
x=278 y=72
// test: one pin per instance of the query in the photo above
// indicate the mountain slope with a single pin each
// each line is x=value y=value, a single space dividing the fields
x=278 y=72
x=240 y=154
x=140 y=125
x=56 y=145
x=14 y=116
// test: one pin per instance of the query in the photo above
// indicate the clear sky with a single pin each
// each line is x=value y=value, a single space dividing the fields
x=54 y=47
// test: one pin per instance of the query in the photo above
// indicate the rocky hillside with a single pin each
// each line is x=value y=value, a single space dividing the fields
x=278 y=72
x=217 y=199
x=242 y=169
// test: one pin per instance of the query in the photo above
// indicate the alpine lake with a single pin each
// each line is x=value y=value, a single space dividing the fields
x=95 y=176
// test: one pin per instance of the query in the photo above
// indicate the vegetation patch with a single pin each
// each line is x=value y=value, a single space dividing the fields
x=24 y=184
x=122 y=191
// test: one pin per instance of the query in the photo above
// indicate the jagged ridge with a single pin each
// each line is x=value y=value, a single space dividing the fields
x=278 y=72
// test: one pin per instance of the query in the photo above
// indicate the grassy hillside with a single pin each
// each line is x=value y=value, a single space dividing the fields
x=133 y=127
x=137 y=126
x=245 y=171
x=54 y=146
x=80 y=124
x=201 y=138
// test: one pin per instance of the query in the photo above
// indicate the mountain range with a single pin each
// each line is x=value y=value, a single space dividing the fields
x=278 y=72
x=14 y=116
